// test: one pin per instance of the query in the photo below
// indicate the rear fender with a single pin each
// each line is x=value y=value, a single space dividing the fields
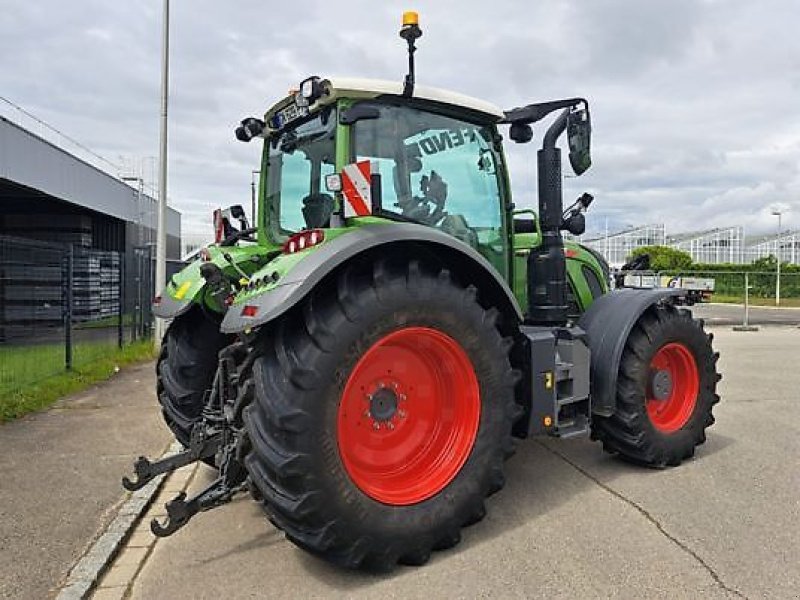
x=316 y=263
x=607 y=323
x=185 y=288
x=180 y=293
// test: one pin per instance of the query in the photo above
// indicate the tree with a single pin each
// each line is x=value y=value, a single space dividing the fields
x=664 y=258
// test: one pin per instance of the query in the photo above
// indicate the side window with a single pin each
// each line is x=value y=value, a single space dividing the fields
x=437 y=171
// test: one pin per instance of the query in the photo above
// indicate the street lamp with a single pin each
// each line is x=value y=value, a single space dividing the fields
x=777 y=213
x=161 y=232
x=253 y=197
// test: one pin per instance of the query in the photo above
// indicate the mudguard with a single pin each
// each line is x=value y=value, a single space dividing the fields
x=168 y=307
x=322 y=260
x=607 y=323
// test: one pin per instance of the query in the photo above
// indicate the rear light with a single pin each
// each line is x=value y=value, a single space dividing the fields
x=157 y=300
x=304 y=239
x=219 y=226
x=249 y=310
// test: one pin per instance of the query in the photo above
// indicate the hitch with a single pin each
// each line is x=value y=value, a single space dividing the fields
x=214 y=435
x=201 y=446
x=231 y=481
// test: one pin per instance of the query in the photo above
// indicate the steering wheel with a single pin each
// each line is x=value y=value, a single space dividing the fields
x=428 y=208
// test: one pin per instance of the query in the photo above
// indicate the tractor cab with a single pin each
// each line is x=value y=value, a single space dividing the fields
x=343 y=153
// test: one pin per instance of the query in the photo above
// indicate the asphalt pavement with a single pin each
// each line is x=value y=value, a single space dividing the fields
x=60 y=477
x=733 y=314
x=572 y=522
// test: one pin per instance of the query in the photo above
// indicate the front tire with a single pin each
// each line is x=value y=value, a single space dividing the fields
x=666 y=390
x=382 y=417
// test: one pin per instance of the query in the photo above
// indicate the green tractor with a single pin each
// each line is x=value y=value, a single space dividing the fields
x=363 y=358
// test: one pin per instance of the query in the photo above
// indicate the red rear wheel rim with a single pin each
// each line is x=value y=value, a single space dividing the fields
x=409 y=416
x=673 y=412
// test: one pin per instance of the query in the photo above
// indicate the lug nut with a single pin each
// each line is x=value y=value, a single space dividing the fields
x=376 y=426
x=401 y=414
x=390 y=425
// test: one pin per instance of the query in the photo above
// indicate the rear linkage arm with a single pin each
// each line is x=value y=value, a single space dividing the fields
x=210 y=436
x=220 y=491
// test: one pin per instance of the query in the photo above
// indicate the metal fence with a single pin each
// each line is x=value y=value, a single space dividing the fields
x=62 y=307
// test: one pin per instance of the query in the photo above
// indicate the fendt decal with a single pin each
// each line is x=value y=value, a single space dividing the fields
x=444 y=141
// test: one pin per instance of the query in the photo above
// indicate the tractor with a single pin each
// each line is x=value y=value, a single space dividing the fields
x=363 y=358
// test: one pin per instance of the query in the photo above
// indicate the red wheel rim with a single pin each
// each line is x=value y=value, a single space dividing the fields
x=672 y=412
x=409 y=415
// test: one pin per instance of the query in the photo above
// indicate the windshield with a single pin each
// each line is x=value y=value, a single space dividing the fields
x=298 y=160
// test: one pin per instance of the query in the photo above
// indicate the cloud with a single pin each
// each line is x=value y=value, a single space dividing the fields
x=695 y=103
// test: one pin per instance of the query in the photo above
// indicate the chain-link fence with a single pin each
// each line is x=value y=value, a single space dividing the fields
x=62 y=307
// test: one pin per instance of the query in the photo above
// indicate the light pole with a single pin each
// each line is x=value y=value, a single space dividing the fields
x=253 y=223
x=777 y=213
x=161 y=235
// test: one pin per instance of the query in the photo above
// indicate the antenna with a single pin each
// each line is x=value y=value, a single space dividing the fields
x=410 y=31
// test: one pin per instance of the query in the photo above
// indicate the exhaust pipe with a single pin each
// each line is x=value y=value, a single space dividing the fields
x=547 y=270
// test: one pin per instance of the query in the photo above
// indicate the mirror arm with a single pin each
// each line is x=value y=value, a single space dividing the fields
x=538 y=111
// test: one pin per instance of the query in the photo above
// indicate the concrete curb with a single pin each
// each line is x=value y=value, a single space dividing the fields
x=91 y=566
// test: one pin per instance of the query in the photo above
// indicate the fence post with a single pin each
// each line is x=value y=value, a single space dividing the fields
x=745 y=326
x=68 y=312
x=121 y=310
x=746 y=299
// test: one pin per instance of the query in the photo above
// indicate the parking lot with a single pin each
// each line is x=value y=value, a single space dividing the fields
x=571 y=521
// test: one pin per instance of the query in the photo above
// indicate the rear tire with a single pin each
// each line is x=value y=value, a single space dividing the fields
x=185 y=369
x=337 y=476
x=660 y=422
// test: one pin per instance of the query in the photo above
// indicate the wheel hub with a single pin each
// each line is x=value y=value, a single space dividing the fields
x=673 y=386
x=408 y=416
x=383 y=404
x=661 y=384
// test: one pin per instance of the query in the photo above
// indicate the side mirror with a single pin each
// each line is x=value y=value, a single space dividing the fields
x=579 y=134
x=237 y=212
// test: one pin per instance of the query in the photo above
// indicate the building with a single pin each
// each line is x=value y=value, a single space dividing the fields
x=617 y=247
x=786 y=246
x=51 y=196
x=712 y=246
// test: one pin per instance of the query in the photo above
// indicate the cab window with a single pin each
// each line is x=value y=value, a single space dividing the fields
x=438 y=171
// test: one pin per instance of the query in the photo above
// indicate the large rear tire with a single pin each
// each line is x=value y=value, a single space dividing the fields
x=185 y=369
x=666 y=390
x=382 y=417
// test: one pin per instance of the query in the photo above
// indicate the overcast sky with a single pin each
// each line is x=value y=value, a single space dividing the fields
x=695 y=103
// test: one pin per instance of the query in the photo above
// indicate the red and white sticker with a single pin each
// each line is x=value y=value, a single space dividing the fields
x=357 y=189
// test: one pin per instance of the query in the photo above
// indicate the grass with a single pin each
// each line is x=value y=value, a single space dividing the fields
x=756 y=301
x=98 y=362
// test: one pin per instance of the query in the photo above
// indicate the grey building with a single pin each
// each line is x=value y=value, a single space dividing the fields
x=49 y=195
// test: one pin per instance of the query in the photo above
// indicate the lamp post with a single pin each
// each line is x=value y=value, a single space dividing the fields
x=254 y=222
x=161 y=235
x=777 y=213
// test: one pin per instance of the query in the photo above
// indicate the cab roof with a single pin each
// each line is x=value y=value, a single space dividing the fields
x=355 y=87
